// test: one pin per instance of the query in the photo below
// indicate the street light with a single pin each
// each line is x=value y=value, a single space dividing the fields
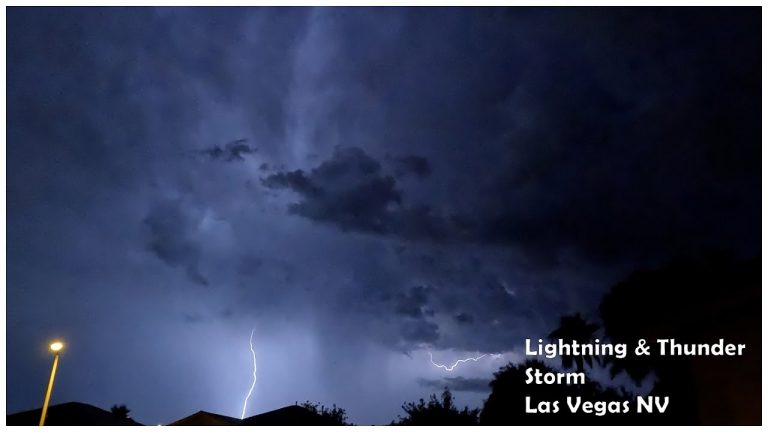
x=56 y=347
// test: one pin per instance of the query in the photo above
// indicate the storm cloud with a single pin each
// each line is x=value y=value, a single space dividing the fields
x=360 y=186
x=170 y=237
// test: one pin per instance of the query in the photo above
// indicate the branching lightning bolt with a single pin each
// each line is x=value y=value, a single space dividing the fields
x=451 y=368
x=253 y=384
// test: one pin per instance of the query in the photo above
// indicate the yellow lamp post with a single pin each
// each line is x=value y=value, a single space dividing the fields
x=56 y=347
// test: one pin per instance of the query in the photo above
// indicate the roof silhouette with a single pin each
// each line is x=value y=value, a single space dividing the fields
x=205 y=418
x=69 y=414
x=293 y=415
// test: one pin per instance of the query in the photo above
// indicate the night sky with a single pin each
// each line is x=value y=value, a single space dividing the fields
x=361 y=187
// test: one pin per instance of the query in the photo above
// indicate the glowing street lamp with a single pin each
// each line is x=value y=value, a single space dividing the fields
x=56 y=347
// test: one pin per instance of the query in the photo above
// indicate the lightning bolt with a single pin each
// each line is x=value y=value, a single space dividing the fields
x=451 y=368
x=458 y=362
x=253 y=384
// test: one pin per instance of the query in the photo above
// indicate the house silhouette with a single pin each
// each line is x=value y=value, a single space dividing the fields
x=293 y=415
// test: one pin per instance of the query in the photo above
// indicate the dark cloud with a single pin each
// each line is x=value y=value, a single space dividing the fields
x=170 y=236
x=235 y=151
x=349 y=190
x=417 y=331
x=352 y=192
x=541 y=189
x=458 y=384
x=294 y=180
x=464 y=318
x=416 y=165
x=413 y=302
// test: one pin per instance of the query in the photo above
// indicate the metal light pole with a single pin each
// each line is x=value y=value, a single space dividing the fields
x=56 y=347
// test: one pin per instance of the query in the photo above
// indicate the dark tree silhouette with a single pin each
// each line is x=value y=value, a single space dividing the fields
x=437 y=412
x=120 y=411
x=575 y=328
x=693 y=300
x=335 y=416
